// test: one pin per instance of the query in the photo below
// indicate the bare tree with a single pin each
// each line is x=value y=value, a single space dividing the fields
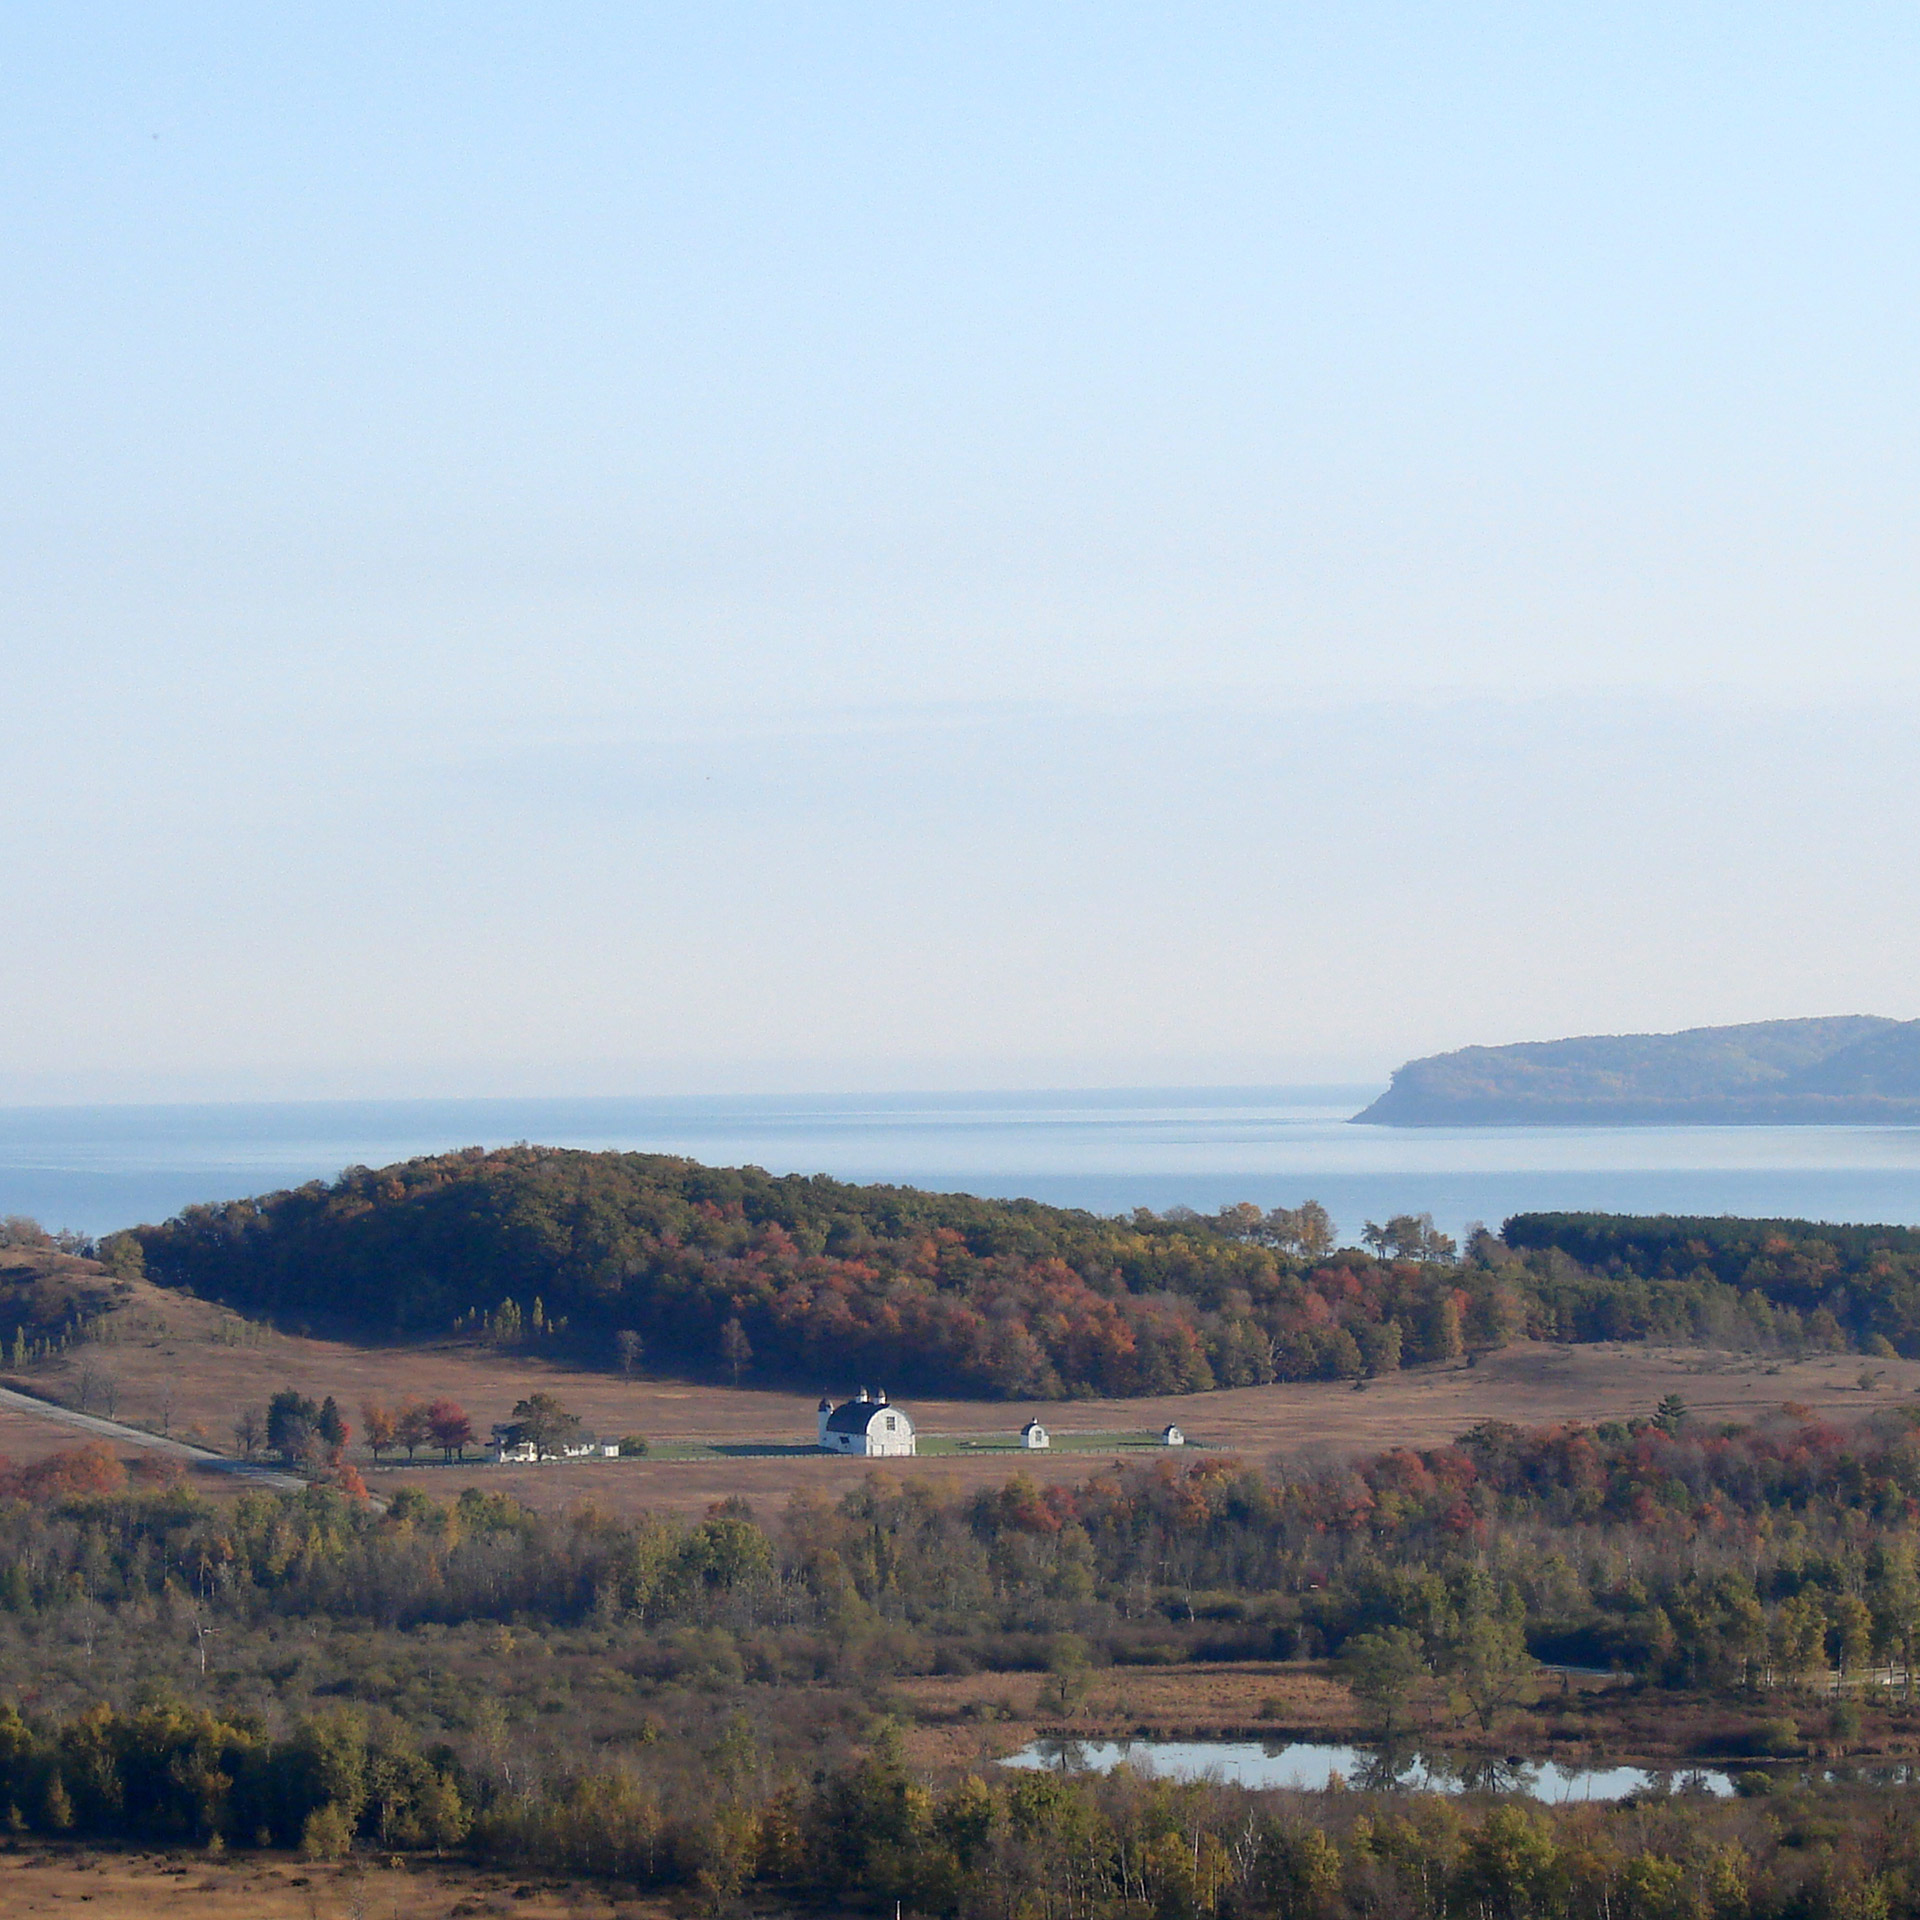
x=86 y=1384
x=201 y=1631
x=736 y=1350
x=630 y=1347
x=167 y=1401
x=250 y=1431
x=85 y=1616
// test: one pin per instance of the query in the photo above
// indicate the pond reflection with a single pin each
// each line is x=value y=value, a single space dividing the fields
x=1311 y=1766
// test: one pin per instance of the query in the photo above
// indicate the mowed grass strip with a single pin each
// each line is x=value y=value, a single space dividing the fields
x=928 y=1446
x=1093 y=1441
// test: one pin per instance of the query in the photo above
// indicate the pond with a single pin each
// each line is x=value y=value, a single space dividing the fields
x=1309 y=1766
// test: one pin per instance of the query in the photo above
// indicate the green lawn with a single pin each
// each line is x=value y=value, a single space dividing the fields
x=930 y=1445
x=950 y=1443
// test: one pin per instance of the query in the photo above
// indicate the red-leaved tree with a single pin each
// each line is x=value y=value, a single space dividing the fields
x=451 y=1429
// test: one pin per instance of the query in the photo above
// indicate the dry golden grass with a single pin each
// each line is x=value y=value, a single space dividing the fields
x=974 y=1718
x=40 y=1879
x=1300 y=1425
x=26 y=1437
x=174 y=1365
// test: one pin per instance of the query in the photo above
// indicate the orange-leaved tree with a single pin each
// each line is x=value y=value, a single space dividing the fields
x=382 y=1427
x=410 y=1428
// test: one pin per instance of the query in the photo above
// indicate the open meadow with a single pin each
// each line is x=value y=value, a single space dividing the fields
x=186 y=1368
x=38 y=1878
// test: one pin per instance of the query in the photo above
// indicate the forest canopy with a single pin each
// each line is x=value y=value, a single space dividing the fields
x=813 y=1280
x=821 y=1279
x=1857 y=1285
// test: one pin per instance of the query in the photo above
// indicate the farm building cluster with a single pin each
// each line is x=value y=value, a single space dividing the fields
x=868 y=1425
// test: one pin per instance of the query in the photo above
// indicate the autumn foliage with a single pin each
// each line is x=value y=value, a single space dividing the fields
x=71 y=1474
x=818 y=1279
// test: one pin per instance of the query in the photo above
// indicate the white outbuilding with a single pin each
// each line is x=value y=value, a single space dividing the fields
x=512 y=1446
x=868 y=1424
x=1172 y=1437
x=1033 y=1436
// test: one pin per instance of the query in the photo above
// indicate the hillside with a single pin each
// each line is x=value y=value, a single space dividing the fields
x=1850 y=1069
x=570 y=1258
x=811 y=1281
x=189 y=1368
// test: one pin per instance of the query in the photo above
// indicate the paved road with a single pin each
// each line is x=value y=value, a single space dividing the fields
x=138 y=1436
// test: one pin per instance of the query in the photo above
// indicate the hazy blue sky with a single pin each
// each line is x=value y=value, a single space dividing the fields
x=624 y=548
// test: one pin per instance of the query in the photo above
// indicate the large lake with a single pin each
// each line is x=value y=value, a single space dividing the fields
x=94 y=1168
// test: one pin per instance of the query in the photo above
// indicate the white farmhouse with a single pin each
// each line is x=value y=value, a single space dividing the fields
x=511 y=1446
x=868 y=1424
x=1033 y=1436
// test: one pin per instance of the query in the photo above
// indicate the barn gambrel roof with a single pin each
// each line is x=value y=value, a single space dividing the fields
x=858 y=1415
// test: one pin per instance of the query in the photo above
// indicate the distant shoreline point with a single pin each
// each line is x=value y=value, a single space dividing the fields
x=1848 y=1070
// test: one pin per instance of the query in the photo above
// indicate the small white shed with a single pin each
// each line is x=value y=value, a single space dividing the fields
x=1033 y=1436
x=1172 y=1437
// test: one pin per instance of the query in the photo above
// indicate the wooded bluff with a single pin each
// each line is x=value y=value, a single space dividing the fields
x=1851 y=1069
x=818 y=1279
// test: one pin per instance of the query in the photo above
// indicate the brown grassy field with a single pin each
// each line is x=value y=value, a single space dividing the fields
x=1300 y=1424
x=24 y=1437
x=187 y=1367
x=960 y=1721
x=39 y=1878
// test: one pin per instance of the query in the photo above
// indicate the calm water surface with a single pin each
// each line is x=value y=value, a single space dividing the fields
x=1309 y=1766
x=95 y=1168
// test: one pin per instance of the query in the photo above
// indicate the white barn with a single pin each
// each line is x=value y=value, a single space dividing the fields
x=1033 y=1436
x=868 y=1424
x=1172 y=1437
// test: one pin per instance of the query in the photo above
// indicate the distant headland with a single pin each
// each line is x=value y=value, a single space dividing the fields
x=1852 y=1069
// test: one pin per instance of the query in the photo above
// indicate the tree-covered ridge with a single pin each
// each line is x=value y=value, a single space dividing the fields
x=810 y=1279
x=1849 y=1068
x=1859 y=1283
x=919 y=1290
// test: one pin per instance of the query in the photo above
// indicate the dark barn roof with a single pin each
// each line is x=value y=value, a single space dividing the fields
x=857 y=1415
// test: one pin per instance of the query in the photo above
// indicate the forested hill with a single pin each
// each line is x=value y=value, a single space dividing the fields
x=818 y=1283
x=1852 y=1068
x=813 y=1281
x=822 y=1283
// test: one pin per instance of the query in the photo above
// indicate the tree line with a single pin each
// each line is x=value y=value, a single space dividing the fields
x=1760 y=1556
x=313 y=1436
x=1844 y=1285
x=1026 y=1846
x=603 y=1255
